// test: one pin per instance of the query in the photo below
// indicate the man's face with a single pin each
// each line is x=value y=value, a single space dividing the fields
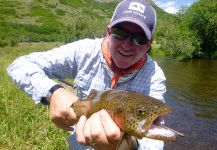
x=125 y=52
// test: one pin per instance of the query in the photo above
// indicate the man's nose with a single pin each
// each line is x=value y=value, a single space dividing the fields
x=127 y=43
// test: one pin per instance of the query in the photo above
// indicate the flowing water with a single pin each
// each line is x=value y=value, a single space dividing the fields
x=192 y=93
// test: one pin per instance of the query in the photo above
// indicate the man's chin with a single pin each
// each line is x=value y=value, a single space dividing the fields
x=123 y=63
x=123 y=66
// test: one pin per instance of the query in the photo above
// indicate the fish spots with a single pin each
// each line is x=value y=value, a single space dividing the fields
x=133 y=112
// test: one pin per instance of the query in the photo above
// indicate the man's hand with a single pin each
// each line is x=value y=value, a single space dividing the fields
x=61 y=112
x=100 y=132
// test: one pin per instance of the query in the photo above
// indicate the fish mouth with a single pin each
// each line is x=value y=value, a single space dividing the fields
x=156 y=120
x=158 y=131
x=143 y=126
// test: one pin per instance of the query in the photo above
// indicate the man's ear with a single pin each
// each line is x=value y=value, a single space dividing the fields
x=108 y=30
x=151 y=40
x=149 y=45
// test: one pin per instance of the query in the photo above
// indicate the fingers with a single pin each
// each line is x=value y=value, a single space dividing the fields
x=112 y=131
x=70 y=116
x=90 y=130
x=61 y=120
x=61 y=113
x=80 y=130
x=98 y=131
x=87 y=133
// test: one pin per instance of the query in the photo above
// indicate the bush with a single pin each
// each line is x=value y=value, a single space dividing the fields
x=176 y=40
x=201 y=18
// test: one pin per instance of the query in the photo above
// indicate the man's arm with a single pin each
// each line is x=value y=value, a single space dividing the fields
x=34 y=73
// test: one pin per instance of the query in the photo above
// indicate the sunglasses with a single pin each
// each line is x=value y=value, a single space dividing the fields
x=122 y=34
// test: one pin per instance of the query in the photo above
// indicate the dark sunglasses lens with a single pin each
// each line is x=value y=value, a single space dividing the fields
x=139 y=39
x=119 y=34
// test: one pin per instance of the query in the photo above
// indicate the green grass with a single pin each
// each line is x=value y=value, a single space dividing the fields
x=23 y=124
x=40 y=20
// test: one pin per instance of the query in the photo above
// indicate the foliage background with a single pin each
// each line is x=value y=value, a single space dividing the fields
x=201 y=20
x=36 y=25
x=190 y=34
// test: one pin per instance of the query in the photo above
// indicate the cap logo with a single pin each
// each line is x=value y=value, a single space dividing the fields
x=137 y=7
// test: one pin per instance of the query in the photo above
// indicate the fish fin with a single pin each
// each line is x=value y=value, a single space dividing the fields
x=118 y=118
x=125 y=142
x=92 y=94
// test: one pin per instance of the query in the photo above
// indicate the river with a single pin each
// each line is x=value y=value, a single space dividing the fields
x=192 y=93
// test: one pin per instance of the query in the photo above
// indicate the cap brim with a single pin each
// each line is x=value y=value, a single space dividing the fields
x=133 y=20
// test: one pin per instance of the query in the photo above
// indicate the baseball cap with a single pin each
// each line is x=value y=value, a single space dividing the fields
x=139 y=12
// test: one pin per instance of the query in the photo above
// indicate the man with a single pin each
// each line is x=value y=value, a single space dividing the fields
x=120 y=61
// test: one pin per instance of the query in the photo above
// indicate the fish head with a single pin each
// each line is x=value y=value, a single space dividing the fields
x=142 y=115
x=151 y=112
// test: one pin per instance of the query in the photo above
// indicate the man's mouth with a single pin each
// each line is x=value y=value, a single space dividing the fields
x=125 y=54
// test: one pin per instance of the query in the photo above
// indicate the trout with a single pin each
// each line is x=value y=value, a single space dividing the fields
x=133 y=112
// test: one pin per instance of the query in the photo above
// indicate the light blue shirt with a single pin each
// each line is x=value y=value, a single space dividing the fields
x=83 y=61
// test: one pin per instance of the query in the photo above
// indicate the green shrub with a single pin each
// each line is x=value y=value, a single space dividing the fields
x=60 y=12
x=201 y=18
x=7 y=11
x=176 y=41
x=47 y=25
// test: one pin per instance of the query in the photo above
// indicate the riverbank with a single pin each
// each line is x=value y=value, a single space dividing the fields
x=191 y=92
x=24 y=125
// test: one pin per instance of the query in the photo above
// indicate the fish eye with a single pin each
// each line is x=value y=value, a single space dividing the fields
x=140 y=111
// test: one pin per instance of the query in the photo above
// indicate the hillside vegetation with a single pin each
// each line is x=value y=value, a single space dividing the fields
x=181 y=36
x=193 y=32
x=56 y=20
x=53 y=20
x=201 y=20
